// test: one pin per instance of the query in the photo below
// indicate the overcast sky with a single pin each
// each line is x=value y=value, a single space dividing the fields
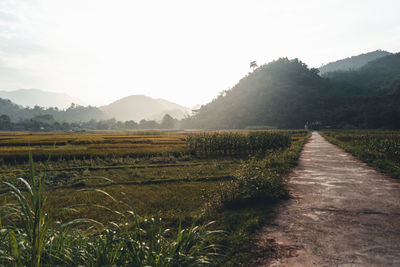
x=182 y=51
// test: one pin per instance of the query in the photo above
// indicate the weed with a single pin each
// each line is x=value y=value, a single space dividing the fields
x=30 y=237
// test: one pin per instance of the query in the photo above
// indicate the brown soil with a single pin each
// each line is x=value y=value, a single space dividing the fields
x=341 y=213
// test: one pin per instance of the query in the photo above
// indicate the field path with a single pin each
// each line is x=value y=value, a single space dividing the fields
x=342 y=213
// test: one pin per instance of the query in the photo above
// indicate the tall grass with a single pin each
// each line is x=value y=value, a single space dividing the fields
x=232 y=143
x=29 y=236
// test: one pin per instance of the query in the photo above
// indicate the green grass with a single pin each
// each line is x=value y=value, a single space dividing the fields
x=242 y=217
x=31 y=237
x=378 y=148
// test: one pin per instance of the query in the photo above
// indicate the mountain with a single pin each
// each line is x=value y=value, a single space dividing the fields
x=372 y=94
x=281 y=94
x=35 y=97
x=352 y=63
x=287 y=94
x=138 y=107
x=380 y=76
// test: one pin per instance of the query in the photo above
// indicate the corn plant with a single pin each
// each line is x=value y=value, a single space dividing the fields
x=230 y=143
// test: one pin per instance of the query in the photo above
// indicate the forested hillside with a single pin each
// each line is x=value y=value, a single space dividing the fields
x=380 y=76
x=17 y=118
x=282 y=94
x=372 y=94
x=74 y=113
x=352 y=63
x=287 y=94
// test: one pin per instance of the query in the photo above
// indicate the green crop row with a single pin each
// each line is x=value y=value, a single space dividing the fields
x=234 y=143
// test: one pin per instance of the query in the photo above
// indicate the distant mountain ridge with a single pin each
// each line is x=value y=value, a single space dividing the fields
x=281 y=94
x=36 y=97
x=75 y=113
x=134 y=107
x=352 y=63
x=138 y=107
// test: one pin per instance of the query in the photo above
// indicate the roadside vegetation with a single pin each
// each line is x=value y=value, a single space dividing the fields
x=244 y=204
x=84 y=208
x=378 y=148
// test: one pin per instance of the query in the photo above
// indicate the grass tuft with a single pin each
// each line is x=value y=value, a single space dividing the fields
x=30 y=237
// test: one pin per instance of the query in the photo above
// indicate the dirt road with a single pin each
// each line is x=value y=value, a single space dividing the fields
x=342 y=213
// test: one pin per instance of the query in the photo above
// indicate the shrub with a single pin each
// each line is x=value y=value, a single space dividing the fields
x=254 y=181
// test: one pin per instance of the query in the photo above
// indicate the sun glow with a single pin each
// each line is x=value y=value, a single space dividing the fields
x=182 y=51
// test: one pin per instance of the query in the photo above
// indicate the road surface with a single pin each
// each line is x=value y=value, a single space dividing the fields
x=341 y=213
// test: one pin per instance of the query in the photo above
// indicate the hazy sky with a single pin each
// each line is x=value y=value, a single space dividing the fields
x=183 y=51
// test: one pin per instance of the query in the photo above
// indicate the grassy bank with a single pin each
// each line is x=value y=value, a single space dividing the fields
x=242 y=217
x=377 y=148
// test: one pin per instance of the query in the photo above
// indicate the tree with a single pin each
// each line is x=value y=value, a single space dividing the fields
x=131 y=125
x=5 y=122
x=253 y=65
x=46 y=118
x=152 y=124
x=167 y=122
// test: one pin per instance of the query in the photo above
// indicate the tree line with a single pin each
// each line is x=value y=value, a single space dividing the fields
x=46 y=122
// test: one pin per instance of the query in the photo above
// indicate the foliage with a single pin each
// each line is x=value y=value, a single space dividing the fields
x=255 y=181
x=378 y=148
x=231 y=143
x=287 y=94
x=30 y=237
x=281 y=94
x=352 y=63
x=241 y=206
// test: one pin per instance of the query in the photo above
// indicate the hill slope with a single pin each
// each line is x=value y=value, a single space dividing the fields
x=138 y=107
x=352 y=63
x=287 y=94
x=283 y=94
x=378 y=76
x=372 y=94
x=35 y=97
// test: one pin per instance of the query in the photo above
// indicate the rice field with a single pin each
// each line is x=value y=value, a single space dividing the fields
x=160 y=174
